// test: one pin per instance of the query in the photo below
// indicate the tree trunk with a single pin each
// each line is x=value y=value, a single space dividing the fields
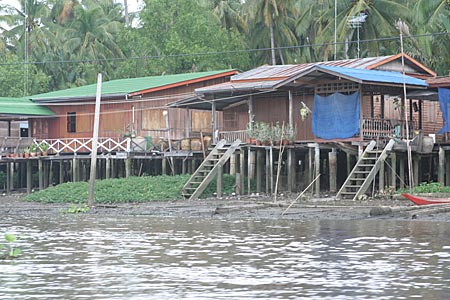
x=272 y=44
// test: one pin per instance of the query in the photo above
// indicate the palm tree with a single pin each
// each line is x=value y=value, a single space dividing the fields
x=90 y=36
x=273 y=19
x=430 y=19
x=229 y=14
x=380 y=22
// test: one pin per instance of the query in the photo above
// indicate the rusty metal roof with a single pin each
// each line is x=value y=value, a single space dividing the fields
x=439 y=82
x=268 y=72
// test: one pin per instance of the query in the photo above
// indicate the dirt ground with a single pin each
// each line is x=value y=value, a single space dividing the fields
x=249 y=206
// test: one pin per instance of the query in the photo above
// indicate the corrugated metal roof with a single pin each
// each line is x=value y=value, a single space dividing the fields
x=124 y=87
x=22 y=106
x=284 y=71
x=239 y=86
x=375 y=76
x=439 y=82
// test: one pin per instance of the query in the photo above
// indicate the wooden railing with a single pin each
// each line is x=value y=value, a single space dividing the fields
x=231 y=136
x=384 y=128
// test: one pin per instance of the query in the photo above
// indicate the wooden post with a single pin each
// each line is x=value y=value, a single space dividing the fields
x=41 y=174
x=416 y=170
x=233 y=160
x=317 y=169
x=29 y=178
x=310 y=164
x=219 y=181
x=441 y=167
x=394 y=170
x=259 y=170
x=184 y=166
x=291 y=109
x=447 y=173
x=238 y=175
x=61 y=171
x=213 y=122
x=8 y=177
x=272 y=184
x=95 y=141
x=291 y=170
x=108 y=167
x=349 y=164
x=332 y=161
x=381 y=177
x=242 y=171
x=164 y=166
x=402 y=172
x=47 y=173
x=128 y=162
x=267 y=171
x=251 y=168
x=75 y=169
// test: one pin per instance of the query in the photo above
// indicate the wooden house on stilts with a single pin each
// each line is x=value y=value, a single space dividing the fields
x=347 y=120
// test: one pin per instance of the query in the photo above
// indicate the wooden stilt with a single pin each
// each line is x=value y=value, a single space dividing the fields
x=233 y=159
x=219 y=180
x=41 y=174
x=46 y=169
x=447 y=171
x=108 y=167
x=317 y=169
x=310 y=164
x=251 y=167
x=416 y=169
x=184 y=166
x=267 y=178
x=332 y=161
x=393 y=170
x=8 y=178
x=259 y=170
x=272 y=183
x=238 y=174
x=381 y=178
x=402 y=171
x=75 y=169
x=128 y=162
x=291 y=170
x=349 y=163
x=441 y=166
x=242 y=171
x=29 y=177
x=61 y=171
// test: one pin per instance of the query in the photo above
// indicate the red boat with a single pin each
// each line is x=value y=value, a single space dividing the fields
x=426 y=200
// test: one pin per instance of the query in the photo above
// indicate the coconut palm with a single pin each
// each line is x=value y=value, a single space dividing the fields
x=431 y=16
x=272 y=23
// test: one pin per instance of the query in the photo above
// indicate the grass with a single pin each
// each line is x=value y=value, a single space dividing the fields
x=124 y=190
x=431 y=187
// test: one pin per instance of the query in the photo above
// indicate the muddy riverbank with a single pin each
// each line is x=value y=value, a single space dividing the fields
x=253 y=206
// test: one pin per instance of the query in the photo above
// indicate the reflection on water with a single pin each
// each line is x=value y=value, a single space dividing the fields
x=91 y=257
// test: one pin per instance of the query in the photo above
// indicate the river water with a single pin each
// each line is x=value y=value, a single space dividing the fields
x=98 y=257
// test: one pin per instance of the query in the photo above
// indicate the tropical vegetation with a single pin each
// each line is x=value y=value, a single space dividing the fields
x=124 y=190
x=53 y=44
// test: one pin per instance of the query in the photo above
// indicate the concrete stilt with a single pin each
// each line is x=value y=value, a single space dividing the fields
x=332 y=161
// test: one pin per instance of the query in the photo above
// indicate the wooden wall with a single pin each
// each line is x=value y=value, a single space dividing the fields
x=117 y=116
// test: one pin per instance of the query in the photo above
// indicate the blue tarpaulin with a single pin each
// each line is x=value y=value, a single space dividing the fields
x=336 y=116
x=444 y=101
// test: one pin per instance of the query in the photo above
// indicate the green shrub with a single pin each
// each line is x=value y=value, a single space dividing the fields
x=428 y=187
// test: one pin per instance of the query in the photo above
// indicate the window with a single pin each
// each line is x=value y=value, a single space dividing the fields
x=71 y=122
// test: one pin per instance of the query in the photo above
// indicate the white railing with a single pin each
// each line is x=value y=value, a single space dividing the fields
x=80 y=145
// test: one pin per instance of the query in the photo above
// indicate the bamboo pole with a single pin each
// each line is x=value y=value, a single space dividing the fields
x=301 y=194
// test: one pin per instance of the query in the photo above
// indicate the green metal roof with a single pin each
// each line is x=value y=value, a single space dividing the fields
x=22 y=107
x=122 y=87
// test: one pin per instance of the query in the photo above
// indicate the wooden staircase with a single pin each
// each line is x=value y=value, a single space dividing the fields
x=209 y=168
x=364 y=171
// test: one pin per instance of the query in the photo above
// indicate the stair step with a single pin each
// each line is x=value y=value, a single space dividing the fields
x=362 y=172
x=348 y=193
x=366 y=165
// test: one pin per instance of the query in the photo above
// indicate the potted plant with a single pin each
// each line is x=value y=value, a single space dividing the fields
x=251 y=133
x=33 y=149
x=44 y=146
x=26 y=152
x=290 y=133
